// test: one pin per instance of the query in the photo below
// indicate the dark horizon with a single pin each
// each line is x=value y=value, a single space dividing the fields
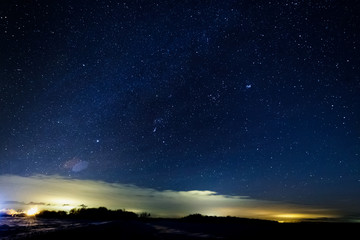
x=99 y=223
x=103 y=213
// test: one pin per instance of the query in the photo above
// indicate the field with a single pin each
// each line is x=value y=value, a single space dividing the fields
x=175 y=229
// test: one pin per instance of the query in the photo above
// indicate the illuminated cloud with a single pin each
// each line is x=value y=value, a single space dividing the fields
x=76 y=164
x=59 y=193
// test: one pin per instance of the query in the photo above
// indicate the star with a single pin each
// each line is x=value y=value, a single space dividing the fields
x=187 y=95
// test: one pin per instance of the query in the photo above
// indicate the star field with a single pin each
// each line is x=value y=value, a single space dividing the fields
x=258 y=99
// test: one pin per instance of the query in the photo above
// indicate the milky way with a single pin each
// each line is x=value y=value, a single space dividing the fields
x=242 y=98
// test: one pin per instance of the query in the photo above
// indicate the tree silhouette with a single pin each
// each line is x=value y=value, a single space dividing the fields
x=100 y=213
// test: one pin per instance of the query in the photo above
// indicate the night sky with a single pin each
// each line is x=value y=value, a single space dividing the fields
x=243 y=98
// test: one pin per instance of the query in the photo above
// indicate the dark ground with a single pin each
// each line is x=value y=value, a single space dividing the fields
x=177 y=229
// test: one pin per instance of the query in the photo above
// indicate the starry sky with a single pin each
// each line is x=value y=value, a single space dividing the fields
x=242 y=98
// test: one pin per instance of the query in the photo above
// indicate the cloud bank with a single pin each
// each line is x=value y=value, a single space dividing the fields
x=60 y=193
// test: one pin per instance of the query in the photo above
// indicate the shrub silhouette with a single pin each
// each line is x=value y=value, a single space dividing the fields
x=101 y=213
x=144 y=215
x=52 y=214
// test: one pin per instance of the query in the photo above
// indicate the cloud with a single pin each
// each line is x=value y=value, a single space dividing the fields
x=23 y=203
x=76 y=164
x=60 y=193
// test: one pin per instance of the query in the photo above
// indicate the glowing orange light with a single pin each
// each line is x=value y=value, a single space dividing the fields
x=295 y=217
x=32 y=211
x=11 y=212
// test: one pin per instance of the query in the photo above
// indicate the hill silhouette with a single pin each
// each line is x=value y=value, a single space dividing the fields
x=215 y=219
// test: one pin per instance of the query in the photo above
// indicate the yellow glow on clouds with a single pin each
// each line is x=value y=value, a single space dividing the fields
x=59 y=193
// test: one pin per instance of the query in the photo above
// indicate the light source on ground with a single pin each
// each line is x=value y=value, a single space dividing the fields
x=32 y=211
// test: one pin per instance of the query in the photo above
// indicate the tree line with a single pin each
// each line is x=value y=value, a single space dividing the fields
x=101 y=213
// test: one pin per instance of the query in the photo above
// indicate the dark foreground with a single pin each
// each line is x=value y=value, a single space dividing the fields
x=177 y=229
